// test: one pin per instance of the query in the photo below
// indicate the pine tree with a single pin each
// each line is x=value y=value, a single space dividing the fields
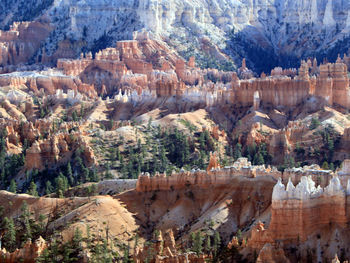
x=198 y=243
x=74 y=116
x=238 y=151
x=325 y=165
x=48 y=188
x=13 y=186
x=25 y=221
x=258 y=159
x=70 y=174
x=126 y=254
x=41 y=223
x=33 y=189
x=208 y=245
x=94 y=177
x=217 y=243
x=61 y=185
x=9 y=237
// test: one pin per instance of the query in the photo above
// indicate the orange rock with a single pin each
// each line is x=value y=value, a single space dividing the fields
x=22 y=41
x=204 y=179
x=167 y=252
x=272 y=254
x=28 y=254
x=213 y=162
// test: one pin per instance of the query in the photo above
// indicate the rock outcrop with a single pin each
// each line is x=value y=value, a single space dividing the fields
x=22 y=41
x=58 y=148
x=28 y=254
x=271 y=254
x=299 y=213
x=204 y=179
x=163 y=250
x=146 y=65
x=305 y=208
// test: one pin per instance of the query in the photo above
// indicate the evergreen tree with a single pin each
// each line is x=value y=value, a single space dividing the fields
x=74 y=116
x=94 y=177
x=70 y=174
x=61 y=185
x=13 y=186
x=25 y=222
x=208 y=245
x=238 y=151
x=41 y=223
x=126 y=254
x=198 y=243
x=325 y=166
x=48 y=188
x=258 y=159
x=217 y=243
x=32 y=189
x=9 y=237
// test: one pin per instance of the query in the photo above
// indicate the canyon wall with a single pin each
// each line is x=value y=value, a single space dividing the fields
x=22 y=41
x=306 y=208
x=135 y=68
x=288 y=27
x=203 y=179
x=146 y=66
x=304 y=215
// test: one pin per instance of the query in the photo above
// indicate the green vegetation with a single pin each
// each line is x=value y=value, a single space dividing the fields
x=314 y=124
x=257 y=154
x=163 y=150
x=203 y=60
x=17 y=231
x=9 y=164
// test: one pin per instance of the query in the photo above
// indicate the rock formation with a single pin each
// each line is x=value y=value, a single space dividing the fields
x=299 y=212
x=213 y=162
x=204 y=179
x=163 y=250
x=307 y=208
x=21 y=42
x=270 y=254
x=138 y=64
x=28 y=254
x=49 y=152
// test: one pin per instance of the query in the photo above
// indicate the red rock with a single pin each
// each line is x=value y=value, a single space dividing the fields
x=28 y=254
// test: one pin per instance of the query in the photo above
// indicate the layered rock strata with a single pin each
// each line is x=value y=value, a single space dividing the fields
x=203 y=179
x=306 y=208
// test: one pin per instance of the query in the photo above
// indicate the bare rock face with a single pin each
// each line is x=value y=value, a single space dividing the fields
x=28 y=254
x=144 y=69
x=299 y=213
x=146 y=65
x=13 y=111
x=271 y=254
x=21 y=42
x=213 y=162
x=306 y=208
x=164 y=250
x=59 y=147
x=204 y=179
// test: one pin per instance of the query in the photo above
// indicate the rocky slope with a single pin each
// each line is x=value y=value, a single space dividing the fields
x=258 y=212
x=284 y=31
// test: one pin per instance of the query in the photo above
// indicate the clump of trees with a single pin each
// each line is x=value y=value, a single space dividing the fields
x=9 y=164
x=17 y=231
x=164 y=150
